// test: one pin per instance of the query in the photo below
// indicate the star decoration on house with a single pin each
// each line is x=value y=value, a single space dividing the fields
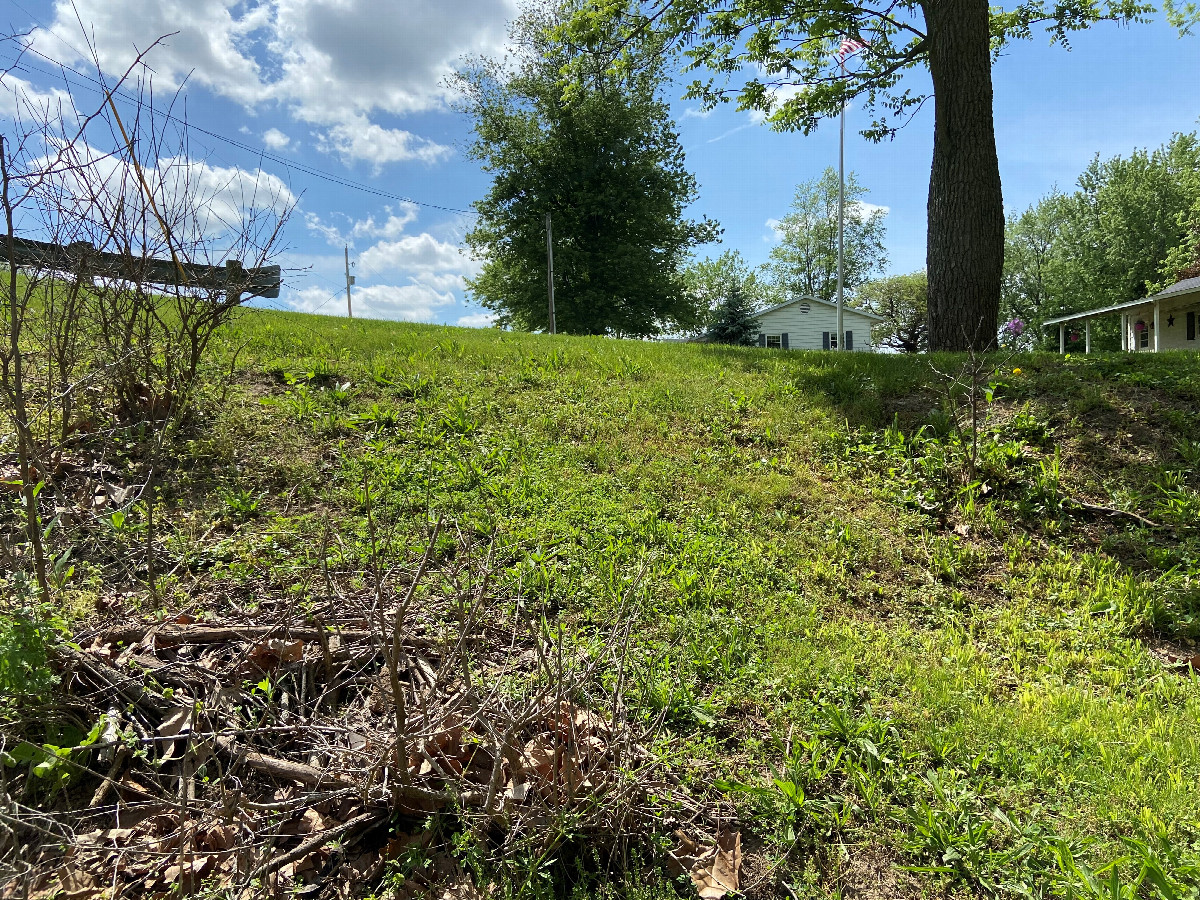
x=1170 y=321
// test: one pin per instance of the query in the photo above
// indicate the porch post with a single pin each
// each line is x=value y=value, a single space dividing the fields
x=1087 y=336
x=1062 y=338
x=1124 y=331
x=1156 y=328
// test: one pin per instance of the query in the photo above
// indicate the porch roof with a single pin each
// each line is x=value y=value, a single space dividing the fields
x=1187 y=286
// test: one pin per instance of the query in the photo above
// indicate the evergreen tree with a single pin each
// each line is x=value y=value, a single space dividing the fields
x=734 y=321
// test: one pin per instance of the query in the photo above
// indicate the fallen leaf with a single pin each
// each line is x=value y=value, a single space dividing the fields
x=270 y=654
x=713 y=870
x=218 y=837
x=176 y=722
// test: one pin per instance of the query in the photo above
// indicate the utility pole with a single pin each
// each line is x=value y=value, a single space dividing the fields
x=841 y=330
x=349 y=281
x=849 y=47
x=550 y=270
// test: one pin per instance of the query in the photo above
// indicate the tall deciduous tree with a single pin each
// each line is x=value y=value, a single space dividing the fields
x=790 y=44
x=805 y=259
x=1183 y=261
x=1036 y=266
x=604 y=162
x=710 y=282
x=902 y=300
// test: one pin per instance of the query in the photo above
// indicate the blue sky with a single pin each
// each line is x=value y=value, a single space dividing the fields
x=355 y=89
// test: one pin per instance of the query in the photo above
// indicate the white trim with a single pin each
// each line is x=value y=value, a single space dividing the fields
x=1179 y=289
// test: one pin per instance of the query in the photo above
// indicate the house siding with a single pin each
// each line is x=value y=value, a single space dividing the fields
x=1173 y=337
x=806 y=331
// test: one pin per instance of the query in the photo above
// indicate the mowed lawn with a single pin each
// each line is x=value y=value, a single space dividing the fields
x=910 y=667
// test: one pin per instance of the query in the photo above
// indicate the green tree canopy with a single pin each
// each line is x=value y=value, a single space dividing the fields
x=605 y=162
x=789 y=44
x=1183 y=261
x=710 y=282
x=805 y=259
x=1118 y=237
x=902 y=301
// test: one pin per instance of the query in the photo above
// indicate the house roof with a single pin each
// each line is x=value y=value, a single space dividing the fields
x=845 y=307
x=1187 y=286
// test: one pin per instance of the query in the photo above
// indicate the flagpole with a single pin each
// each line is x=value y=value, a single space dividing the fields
x=841 y=331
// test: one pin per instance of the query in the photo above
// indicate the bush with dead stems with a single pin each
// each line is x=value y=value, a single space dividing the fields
x=112 y=233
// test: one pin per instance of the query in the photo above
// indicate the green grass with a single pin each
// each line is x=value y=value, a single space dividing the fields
x=872 y=646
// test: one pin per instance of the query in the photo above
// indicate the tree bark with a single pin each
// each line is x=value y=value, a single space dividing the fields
x=965 y=255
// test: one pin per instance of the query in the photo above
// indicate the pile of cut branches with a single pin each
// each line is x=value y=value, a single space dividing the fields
x=320 y=754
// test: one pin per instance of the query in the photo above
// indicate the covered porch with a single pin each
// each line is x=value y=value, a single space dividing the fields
x=1163 y=321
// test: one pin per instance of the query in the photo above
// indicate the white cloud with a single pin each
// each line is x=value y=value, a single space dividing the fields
x=420 y=254
x=334 y=63
x=865 y=210
x=19 y=98
x=275 y=139
x=204 y=203
x=398 y=218
x=223 y=194
x=392 y=227
x=407 y=302
x=434 y=270
x=208 y=44
x=477 y=320
x=363 y=140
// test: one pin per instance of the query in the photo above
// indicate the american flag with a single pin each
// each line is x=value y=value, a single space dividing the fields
x=848 y=48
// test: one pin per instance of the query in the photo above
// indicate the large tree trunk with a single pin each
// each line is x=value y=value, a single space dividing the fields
x=965 y=255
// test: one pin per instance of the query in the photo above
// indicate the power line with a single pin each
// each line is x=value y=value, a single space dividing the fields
x=241 y=145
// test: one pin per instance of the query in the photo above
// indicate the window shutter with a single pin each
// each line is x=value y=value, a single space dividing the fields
x=762 y=339
x=783 y=341
x=1191 y=326
x=824 y=340
x=849 y=340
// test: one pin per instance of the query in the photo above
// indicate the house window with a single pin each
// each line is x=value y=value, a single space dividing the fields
x=1143 y=335
x=833 y=345
x=805 y=307
x=774 y=342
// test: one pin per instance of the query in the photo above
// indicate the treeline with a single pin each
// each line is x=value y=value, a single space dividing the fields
x=587 y=151
x=1131 y=227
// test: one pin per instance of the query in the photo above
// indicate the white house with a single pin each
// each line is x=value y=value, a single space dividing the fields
x=807 y=323
x=1164 y=321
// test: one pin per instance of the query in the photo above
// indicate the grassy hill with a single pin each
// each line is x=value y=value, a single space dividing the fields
x=902 y=655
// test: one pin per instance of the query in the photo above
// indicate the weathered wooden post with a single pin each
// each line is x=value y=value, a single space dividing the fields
x=235 y=281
